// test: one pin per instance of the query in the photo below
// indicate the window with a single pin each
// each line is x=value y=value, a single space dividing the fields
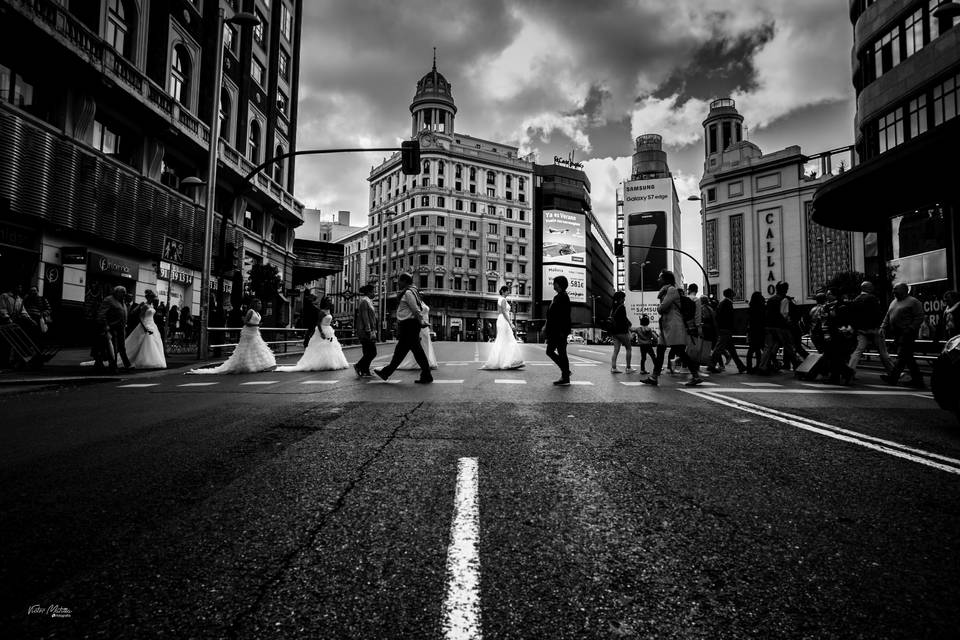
x=521 y=183
x=509 y=248
x=491 y=228
x=104 y=139
x=441 y=240
x=491 y=265
x=491 y=192
x=458 y=282
x=439 y=261
x=509 y=267
x=283 y=66
x=509 y=214
x=425 y=181
x=253 y=220
x=229 y=38
x=225 y=109
x=458 y=243
x=491 y=178
x=440 y=166
x=441 y=204
x=913 y=32
x=458 y=223
x=424 y=258
x=423 y=282
x=509 y=231
x=492 y=247
x=282 y=102
x=458 y=205
x=257 y=72
x=890 y=130
x=523 y=269
x=712 y=194
x=424 y=202
x=523 y=233
x=424 y=239
x=473 y=207
x=491 y=210
x=508 y=181
x=522 y=198
x=254 y=142
x=426 y=167
x=424 y=221
x=458 y=262
x=522 y=290
x=458 y=185
x=945 y=100
x=523 y=250
x=438 y=282
x=278 y=234
x=180 y=75
x=278 y=165
x=473 y=225
x=258 y=32
x=473 y=245
x=286 y=22
x=523 y=216
x=886 y=52
x=117 y=27
x=473 y=284
x=441 y=221
x=712 y=139
x=917 y=110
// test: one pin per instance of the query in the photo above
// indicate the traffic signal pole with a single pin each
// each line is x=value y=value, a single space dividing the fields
x=618 y=252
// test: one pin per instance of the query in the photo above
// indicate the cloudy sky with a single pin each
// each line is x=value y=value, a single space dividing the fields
x=562 y=76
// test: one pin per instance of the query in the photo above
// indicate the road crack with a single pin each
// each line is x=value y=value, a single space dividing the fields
x=287 y=560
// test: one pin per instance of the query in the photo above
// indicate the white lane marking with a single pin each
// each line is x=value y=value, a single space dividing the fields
x=198 y=384
x=632 y=384
x=259 y=382
x=476 y=352
x=439 y=381
x=762 y=384
x=581 y=382
x=708 y=384
x=461 y=609
x=138 y=386
x=889 y=447
x=509 y=381
x=383 y=382
x=457 y=364
x=821 y=391
x=584 y=364
x=540 y=364
x=319 y=382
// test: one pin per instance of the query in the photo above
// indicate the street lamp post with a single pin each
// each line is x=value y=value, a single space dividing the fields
x=645 y=263
x=240 y=19
x=389 y=213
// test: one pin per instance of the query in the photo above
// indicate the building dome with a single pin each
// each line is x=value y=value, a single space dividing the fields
x=433 y=108
x=433 y=87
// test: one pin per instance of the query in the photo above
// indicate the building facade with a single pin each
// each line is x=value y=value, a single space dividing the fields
x=98 y=132
x=757 y=214
x=903 y=194
x=463 y=227
x=571 y=243
x=648 y=217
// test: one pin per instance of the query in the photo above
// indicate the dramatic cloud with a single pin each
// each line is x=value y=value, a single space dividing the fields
x=553 y=76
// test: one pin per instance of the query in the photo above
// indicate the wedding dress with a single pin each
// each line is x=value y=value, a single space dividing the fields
x=323 y=352
x=252 y=353
x=505 y=353
x=144 y=346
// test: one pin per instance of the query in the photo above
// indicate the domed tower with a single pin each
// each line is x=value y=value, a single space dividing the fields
x=722 y=128
x=649 y=160
x=433 y=107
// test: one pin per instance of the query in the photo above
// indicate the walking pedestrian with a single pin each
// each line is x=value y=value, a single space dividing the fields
x=673 y=331
x=777 y=330
x=724 y=345
x=410 y=320
x=620 y=325
x=365 y=325
x=647 y=340
x=755 y=330
x=38 y=308
x=558 y=328
x=950 y=321
x=112 y=325
x=902 y=323
x=865 y=316
x=252 y=353
x=838 y=338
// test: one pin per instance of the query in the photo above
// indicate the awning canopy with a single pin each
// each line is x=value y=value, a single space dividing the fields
x=923 y=171
x=316 y=260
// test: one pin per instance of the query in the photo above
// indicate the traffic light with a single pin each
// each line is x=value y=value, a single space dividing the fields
x=618 y=247
x=410 y=157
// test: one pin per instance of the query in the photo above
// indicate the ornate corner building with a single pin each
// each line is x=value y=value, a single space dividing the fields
x=104 y=111
x=903 y=194
x=463 y=227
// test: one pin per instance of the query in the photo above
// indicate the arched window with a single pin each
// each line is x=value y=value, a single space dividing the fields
x=180 y=75
x=225 y=104
x=440 y=168
x=120 y=27
x=278 y=165
x=426 y=166
x=255 y=142
x=491 y=177
x=473 y=174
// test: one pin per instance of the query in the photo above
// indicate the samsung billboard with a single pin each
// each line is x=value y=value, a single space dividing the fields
x=647 y=210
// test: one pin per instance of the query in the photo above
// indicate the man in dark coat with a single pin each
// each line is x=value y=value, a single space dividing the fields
x=558 y=328
x=112 y=326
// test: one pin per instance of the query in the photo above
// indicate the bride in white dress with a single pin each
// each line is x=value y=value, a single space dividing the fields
x=252 y=353
x=323 y=352
x=410 y=362
x=505 y=353
x=144 y=346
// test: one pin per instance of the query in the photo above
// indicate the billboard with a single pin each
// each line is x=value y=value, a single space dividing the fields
x=564 y=238
x=648 y=207
x=577 y=283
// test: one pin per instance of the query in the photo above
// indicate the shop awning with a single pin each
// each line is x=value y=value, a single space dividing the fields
x=921 y=172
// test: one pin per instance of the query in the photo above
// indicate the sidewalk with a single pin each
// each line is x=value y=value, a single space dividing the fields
x=67 y=367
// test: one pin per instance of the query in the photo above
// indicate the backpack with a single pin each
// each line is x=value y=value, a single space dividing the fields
x=688 y=310
x=708 y=320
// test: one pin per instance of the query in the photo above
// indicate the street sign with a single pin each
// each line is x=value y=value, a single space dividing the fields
x=172 y=250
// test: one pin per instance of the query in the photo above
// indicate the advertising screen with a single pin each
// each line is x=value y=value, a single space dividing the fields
x=576 y=281
x=564 y=238
x=648 y=229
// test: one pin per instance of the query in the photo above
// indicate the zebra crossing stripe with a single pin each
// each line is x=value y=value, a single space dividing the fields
x=319 y=382
x=259 y=382
x=138 y=386
x=198 y=384
x=509 y=381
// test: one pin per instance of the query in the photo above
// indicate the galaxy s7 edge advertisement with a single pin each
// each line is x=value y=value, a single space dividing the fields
x=648 y=229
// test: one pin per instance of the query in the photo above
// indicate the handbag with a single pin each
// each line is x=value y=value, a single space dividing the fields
x=699 y=350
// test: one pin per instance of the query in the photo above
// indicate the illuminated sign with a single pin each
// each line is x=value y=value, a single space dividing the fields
x=576 y=281
x=564 y=238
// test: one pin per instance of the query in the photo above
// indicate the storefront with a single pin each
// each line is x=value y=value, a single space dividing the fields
x=19 y=256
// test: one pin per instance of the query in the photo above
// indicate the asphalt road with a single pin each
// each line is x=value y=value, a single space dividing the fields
x=319 y=505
